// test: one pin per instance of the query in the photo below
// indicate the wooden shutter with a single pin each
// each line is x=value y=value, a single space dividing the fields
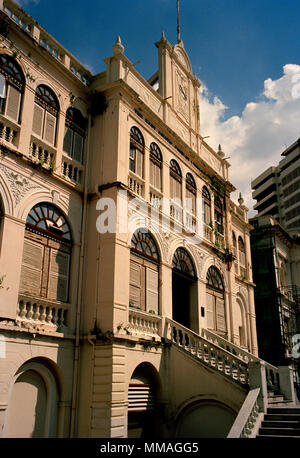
x=210 y=300
x=38 y=116
x=77 y=147
x=49 y=130
x=135 y=287
x=220 y=315
x=31 y=271
x=140 y=397
x=68 y=140
x=139 y=163
x=152 y=290
x=59 y=275
x=13 y=103
x=2 y=86
x=152 y=174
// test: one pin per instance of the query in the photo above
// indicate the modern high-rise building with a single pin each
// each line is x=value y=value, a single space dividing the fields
x=126 y=292
x=277 y=190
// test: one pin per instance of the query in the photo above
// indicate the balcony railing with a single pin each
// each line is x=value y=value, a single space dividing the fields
x=143 y=324
x=207 y=232
x=41 y=154
x=190 y=222
x=155 y=198
x=176 y=211
x=8 y=133
x=42 y=314
x=136 y=184
x=72 y=170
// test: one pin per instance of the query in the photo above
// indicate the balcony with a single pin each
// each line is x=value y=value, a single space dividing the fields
x=71 y=170
x=42 y=154
x=156 y=198
x=42 y=314
x=136 y=184
x=190 y=222
x=176 y=211
x=143 y=324
x=9 y=133
x=207 y=232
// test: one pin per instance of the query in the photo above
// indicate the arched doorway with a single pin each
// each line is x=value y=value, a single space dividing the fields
x=215 y=302
x=184 y=290
x=143 y=392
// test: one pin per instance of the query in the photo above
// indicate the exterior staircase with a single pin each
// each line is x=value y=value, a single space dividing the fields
x=280 y=422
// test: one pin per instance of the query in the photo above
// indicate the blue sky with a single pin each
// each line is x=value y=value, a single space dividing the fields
x=245 y=52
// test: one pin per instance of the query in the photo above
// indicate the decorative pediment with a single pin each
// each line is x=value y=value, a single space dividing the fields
x=182 y=56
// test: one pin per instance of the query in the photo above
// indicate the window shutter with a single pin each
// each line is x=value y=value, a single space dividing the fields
x=152 y=290
x=220 y=314
x=139 y=163
x=210 y=311
x=2 y=86
x=59 y=275
x=152 y=174
x=78 y=147
x=135 y=289
x=37 y=120
x=68 y=139
x=31 y=271
x=140 y=397
x=13 y=103
x=49 y=131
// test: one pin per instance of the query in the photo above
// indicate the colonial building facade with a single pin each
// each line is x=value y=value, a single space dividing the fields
x=126 y=294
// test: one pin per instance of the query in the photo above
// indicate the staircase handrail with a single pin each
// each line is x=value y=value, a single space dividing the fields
x=247 y=418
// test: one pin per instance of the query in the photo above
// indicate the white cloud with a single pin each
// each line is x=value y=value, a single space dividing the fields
x=256 y=139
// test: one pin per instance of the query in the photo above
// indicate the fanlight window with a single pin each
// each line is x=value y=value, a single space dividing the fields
x=191 y=192
x=136 y=153
x=214 y=279
x=46 y=254
x=142 y=242
x=206 y=209
x=155 y=166
x=75 y=128
x=12 y=84
x=45 y=114
x=219 y=215
x=183 y=263
x=144 y=286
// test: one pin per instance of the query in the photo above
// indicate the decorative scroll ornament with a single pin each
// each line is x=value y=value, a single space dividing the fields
x=18 y=183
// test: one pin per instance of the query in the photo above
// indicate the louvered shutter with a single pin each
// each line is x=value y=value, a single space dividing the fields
x=68 y=140
x=152 y=174
x=58 y=275
x=13 y=103
x=77 y=147
x=135 y=290
x=140 y=397
x=31 y=271
x=2 y=86
x=152 y=290
x=49 y=130
x=220 y=315
x=139 y=163
x=38 y=116
x=210 y=300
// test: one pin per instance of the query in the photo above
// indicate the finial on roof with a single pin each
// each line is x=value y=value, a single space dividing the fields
x=220 y=152
x=163 y=37
x=118 y=48
x=240 y=200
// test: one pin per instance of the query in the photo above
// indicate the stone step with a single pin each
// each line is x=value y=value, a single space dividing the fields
x=283 y=403
x=282 y=417
x=284 y=410
x=276 y=437
x=273 y=399
x=279 y=432
x=280 y=424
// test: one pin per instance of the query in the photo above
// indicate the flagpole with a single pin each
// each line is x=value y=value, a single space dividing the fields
x=178 y=26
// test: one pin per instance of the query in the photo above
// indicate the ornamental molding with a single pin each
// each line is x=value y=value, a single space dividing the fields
x=18 y=183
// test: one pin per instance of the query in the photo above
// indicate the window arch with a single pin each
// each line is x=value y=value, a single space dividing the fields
x=46 y=254
x=12 y=83
x=219 y=215
x=183 y=263
x=215 y=303
x=155 y=166
x=191 y=192
x=144 y=272
x=242 y=251
x=46 y=109
x=206 y=208
x=136 y=154
x=75 y=128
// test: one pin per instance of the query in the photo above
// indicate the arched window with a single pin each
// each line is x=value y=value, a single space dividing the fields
x=219 y=215
x=144 y=259
x=234 y=246
x=46 y=109
x=12 y=83
x=215 y=305
x=183 y=263
x=206 y=209
x=155 y=166
x=136 y=154
x=46 y=254
x=175 y=190
x=242 y=251
x=191 y=192
x=75 y=128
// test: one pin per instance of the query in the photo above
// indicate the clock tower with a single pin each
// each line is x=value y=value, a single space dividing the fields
x=178 y=85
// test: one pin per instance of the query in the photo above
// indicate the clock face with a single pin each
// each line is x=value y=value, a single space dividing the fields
x=182 y=94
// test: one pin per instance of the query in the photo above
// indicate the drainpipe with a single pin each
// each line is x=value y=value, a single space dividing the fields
x=79 y=291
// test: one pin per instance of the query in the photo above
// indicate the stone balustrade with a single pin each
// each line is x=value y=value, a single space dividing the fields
x=42 y=314
x=247 y=418
x=136 y=184
x=42 y=154
x=143 y=324
x=8 y=133
x=72 y=171
x=208 y=353
x=207 y=232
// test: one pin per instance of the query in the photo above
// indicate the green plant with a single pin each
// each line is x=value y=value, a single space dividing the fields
x=152 y=311
x=51 y=166
x=98 y=104
x=131 y=303
x=72 y=98
x=104 y=337
x=1 y=281
x=30 y=77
